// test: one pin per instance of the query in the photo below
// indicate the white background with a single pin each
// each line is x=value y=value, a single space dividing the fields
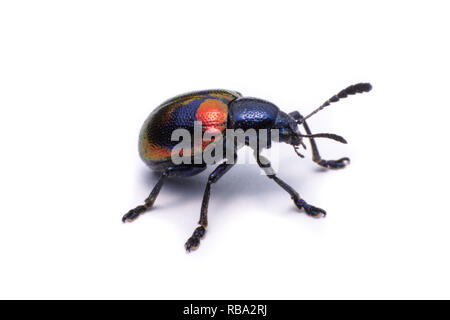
x=78 y=78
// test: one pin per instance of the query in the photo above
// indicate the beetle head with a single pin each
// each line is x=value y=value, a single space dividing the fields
x=288 y=129
x=290 y=133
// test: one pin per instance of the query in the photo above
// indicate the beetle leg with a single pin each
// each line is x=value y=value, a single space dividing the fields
x=334 y=164
x=298 y=201
x=330 y=164
x=194 y=241
x=148 y=203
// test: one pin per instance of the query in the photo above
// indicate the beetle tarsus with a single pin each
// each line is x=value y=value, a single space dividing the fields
x=309 y=209
x=133 y=213
x=334 y=164
x=194 y=241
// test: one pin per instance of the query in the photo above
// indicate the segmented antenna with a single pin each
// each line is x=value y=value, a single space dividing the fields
x=324 y=135
x=317 y=135
x=354 y=89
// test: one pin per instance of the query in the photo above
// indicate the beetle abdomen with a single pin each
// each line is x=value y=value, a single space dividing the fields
x=210 y=107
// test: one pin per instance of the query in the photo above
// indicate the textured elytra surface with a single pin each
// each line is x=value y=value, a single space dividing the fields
x=209 y=106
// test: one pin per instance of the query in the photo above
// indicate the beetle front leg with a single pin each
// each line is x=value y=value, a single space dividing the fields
x=329 y=164
x=334 y=164
x=194 y=241
x=298 y=201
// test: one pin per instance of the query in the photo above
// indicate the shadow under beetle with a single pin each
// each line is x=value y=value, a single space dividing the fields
x=219 y=110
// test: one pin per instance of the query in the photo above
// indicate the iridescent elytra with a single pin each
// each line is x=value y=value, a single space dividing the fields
x=219 y=110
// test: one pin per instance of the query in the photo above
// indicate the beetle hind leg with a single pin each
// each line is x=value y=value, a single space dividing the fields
x=148 y=203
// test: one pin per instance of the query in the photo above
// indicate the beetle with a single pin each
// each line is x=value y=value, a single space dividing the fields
x=219 y=110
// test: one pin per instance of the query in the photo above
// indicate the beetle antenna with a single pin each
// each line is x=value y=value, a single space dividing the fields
x=324 y=135
x=353 y=89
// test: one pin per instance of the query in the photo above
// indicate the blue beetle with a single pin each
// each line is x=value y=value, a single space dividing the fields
x=219 y=110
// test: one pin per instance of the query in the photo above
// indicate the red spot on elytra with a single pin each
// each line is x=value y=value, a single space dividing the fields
x=213 y=115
